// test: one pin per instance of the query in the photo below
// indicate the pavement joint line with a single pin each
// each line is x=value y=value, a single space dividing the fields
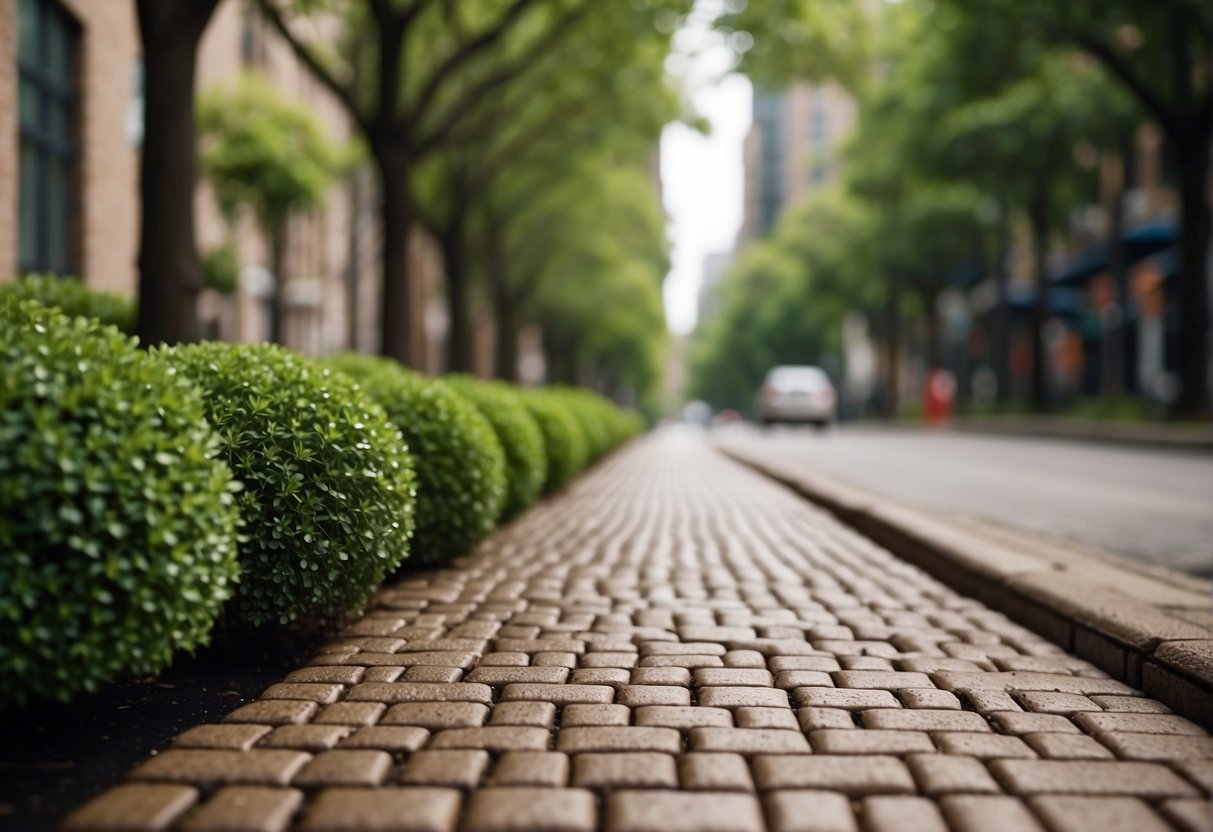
x=1134 y=641
x=700 y=649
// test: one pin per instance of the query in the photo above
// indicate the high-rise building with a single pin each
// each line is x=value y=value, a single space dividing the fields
x=793 y=148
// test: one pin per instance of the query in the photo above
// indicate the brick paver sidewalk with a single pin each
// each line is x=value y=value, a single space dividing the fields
x=677 y=644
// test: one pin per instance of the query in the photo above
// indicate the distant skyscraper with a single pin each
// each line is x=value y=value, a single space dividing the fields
x=714 y=266
x=793 y=148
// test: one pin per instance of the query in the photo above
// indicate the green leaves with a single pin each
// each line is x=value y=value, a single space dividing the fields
x=328 y=482
x=70 y=295
x=461 y=469
x=110 y=562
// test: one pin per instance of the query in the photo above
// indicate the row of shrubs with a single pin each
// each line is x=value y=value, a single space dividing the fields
x=144 y=494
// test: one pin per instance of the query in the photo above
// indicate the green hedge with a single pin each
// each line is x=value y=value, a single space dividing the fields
x=117 y=519
x=526 y=459
x=74 y=298
x=328 y=485
x=460 y=463
x=563 y=436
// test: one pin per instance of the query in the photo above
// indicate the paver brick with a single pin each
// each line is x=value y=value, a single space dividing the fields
x=851 y=700
x=258 y=767
x=304 y=737
x=923 y=720
x=809 y=811
x=1130 y=704
x=573 y=740
x=559 y=694
x=902 y=814
x=1101 y=723
x=984 y=746
x=539 y=645
x=421 y=692
x=810 y=719
x=390 y=738
x=1030 y=681
x=630 y=811
x=530 y=810
x=626 y=770
x=987 y=813
x=494 y=738
x=507 y=675
x=788 y=679
x=132 y=808
x=350 y=713
x=1158 y=747
x=1056 y=703
x=615 y=677
x=661 y=676
x=1018 y=723
x=1093 y=777
x=748 y=741
x=532 y=714
x=1067 y=747
x=245 y=809
x=880 y=680
x=732 y=677
x=870 y=741
x=273 y=712
x=1188 y=814
x=607 y=659
x=783 y=718
x=820 y=664
x=710 y=772
x=383 y=810
x=334 y=675
x=345 y=767
x=684 y=718
x=430 y=673
x=640 y=695
x=929 y=698
x=532 y=768
x=325 y=694
x=574 y=716
x=853 y=776
x=1107 y=814
x=437 y=716
x=940 y=774
x=458 y=769
x=744 y=697
x=231 y=737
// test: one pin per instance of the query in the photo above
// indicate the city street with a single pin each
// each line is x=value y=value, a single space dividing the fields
x=1152 y=505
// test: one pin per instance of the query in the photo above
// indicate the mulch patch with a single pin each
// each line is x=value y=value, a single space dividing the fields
x=54 y=756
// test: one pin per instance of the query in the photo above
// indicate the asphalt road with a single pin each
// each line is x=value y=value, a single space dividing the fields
x=1154 y=506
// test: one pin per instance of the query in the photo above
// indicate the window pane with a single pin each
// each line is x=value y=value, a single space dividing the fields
x=27 y=30
x=59 y=128
x=28 y=97
x=58 y=62
x=58 y=219
x=27 y=220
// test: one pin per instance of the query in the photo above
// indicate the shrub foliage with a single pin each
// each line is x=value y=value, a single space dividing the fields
x=328 y=483
x=117 y=519
x=460 y=464
x=70 y=295
x=563 y=437
x=525 y=458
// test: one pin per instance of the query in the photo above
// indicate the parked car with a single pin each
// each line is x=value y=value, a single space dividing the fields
x=797 y=394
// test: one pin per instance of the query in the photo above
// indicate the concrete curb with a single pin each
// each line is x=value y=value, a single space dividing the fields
x=1170 y=437
x=1118 y=617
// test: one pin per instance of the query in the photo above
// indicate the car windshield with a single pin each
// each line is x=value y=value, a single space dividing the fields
x=797 y=378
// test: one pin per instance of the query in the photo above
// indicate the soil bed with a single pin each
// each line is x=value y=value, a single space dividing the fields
x=55 y=756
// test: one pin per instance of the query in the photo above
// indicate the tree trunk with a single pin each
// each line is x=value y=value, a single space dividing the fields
x=505 y=352
x=396 y=218
x=930 y=316
x=1118 y=359
x=277 y=235
x=1000 y=329
x=892 y=341
x=170 y=277
x=1039 y=217
x=1194 y=276
x=459 y=331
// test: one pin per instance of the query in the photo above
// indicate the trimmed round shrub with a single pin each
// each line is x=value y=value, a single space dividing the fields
x=70 y=295
x=461 y=486
x=590 y=412
x=563 y=437
x=328 y=483
x=526 y=462
x=117 y=517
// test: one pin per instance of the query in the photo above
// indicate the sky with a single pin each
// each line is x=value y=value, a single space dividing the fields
x=702 y=175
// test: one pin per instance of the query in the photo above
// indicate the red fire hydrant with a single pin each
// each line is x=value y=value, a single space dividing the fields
x=938 y=397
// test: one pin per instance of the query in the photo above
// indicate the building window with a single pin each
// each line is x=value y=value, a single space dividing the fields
x=46 y=100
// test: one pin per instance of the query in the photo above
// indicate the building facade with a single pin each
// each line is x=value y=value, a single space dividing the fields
x=792 y=149
x=70 y=136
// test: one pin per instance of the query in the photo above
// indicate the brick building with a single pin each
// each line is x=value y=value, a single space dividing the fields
x=70 y=132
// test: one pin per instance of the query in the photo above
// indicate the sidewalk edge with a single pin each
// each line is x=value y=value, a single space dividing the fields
x=1167 y=658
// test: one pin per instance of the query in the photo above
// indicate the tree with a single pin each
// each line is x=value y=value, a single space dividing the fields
x=271 y=155
x=1159 y=52
x=408 y=72
x=169 y=275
